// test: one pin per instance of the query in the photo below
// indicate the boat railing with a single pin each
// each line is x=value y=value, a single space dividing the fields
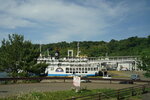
x=86 y=59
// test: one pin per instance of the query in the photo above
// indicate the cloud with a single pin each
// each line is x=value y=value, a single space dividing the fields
x=2 y=36
x=64 y=20
x=9 y=22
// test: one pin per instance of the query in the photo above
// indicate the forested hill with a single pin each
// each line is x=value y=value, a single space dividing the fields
x=132 y=46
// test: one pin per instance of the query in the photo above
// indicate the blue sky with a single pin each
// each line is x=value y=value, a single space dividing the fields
x=50 y=21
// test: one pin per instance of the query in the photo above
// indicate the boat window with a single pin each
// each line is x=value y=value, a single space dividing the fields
x=82 y=70
x=88 y=69
x=70 y=71
x=91 y=69
x=77 y=71
x=67 y=71
x=67 y=68
x=76 y=68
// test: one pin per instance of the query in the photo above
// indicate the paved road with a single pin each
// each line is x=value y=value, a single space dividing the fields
x=16 y=89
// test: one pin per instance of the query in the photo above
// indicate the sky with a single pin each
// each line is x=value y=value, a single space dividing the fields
x=52 y=21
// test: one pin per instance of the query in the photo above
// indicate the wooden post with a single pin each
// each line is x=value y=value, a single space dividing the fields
x=143 y=89
x=110 y=81
x=99 y=96
x=118 y=95
x=64 y=79
x=132 y=91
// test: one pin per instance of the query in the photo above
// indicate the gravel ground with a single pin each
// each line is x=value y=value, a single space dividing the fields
x=17 y=89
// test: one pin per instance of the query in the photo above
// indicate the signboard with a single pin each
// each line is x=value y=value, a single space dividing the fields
x=59 y=70
x=76 y=81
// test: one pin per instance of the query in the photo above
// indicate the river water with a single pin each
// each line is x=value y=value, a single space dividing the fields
x=3 y=75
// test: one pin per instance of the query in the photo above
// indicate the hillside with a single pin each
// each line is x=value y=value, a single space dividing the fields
x=132 y=46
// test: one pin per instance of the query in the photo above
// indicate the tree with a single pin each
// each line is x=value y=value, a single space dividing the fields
x=17 y=56
x=145 y=64
x=38 y=69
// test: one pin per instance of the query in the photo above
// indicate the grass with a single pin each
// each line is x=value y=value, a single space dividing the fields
x=59 y=95
x=62 y=95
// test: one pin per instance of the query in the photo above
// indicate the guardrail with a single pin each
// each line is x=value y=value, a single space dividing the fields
x=119 y=94
x=70 y=78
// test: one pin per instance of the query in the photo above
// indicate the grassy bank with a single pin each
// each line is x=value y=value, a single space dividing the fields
x=60 y=95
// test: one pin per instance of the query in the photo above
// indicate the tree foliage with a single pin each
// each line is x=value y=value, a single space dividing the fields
x=145 y=63
x=38 y=69
x=133 y=46
x=17 y=56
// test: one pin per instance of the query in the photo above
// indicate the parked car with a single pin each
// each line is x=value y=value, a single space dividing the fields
x=135 y=77
x=85 y=81
x=107 y=77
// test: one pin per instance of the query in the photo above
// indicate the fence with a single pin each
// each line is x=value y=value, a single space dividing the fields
x=70 y=78
x=118 y=94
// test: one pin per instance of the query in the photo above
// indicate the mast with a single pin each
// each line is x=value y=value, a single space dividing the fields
x=47 y=52
x=78 y=49
x=40 y=49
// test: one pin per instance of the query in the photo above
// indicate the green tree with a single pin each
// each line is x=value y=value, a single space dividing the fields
x=17 y=56
x=38 y=69
x=145 y=63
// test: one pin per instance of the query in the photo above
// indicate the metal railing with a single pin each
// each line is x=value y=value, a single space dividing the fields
x=70 y=78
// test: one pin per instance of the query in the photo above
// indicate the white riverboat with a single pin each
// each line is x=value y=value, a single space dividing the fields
x=70 y=67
